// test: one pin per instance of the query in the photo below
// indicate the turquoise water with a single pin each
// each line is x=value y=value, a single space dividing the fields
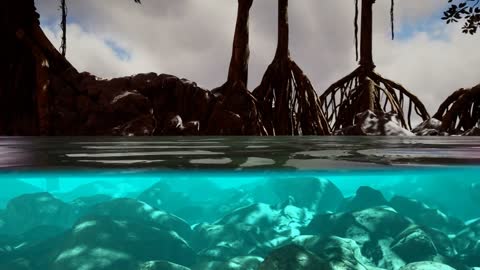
x=239 y=203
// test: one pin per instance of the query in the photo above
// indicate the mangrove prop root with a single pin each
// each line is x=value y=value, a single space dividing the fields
x=460 y=111
x=288 y=101
x=365 y=89
x=234 y=98
x=238 y=70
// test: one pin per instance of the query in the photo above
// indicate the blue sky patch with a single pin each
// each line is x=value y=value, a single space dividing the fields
x=427 y=25
x=121 y=53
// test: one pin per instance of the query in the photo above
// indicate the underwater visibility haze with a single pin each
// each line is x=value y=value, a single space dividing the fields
x=239 y=203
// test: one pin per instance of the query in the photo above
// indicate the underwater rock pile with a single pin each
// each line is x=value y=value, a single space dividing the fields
x=285 y=223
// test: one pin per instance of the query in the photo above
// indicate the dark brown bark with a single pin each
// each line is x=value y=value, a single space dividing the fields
x=364 y=89
x=63 y=24
x=460 y=111
x=366 y=37
x=238 y=70
x=18 y=114
x=283 y=30
x=288 y=100
x=30 y=61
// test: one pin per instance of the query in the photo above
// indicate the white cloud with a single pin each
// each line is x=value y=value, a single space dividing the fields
x=193 y=39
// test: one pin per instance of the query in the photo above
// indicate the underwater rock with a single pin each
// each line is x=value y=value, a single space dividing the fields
x=242 y=232
x=316 y=194
x=161 y=265
x=12 y=188
x=426 y=265
x=137 y=211
x=251 y=230
x=2 y=221
x=422 y=214
x=224 y=242
x=341 y=253
x=365 y=197
x=380 y=253
x=32 y=210
x=272 y=222
x=237 y=263
x=293 y=257
x=114 y=189
x=452 y=197
x=475 y=192
x=31 y=238
x=161 y=196
x=467 y=243
x=376 y=123
x=414 y=245
x=88 y=201
x=83 y=204
x=105 y=243
x=379 y=222
x=17 y=264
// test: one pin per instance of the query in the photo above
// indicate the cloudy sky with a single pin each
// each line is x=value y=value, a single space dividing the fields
x=193 y=39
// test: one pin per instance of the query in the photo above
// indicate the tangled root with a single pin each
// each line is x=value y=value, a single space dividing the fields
x=288 y=101
x=460 y=111
x=367 y=90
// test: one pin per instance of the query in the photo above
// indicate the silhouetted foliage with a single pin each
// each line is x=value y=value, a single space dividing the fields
x=464 y=10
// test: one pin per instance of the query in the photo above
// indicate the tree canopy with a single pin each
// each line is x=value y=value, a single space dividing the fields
x=467 y=11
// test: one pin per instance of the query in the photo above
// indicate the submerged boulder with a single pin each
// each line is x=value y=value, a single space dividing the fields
x=294 y=257
x=237 y=263
x=137 y=211
x=341 y=253
x=32 y=210
x=475 y=192
x=12 y=188
x=363 y=226
x=426 y=265
x=414 y=245
x=161 y=265
x=113 y=189
x=422 y=214
x=316 y=194
x=253 y=230
x=161 y=196
x=106 y=243
x=364 y=198
x=467 y=243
